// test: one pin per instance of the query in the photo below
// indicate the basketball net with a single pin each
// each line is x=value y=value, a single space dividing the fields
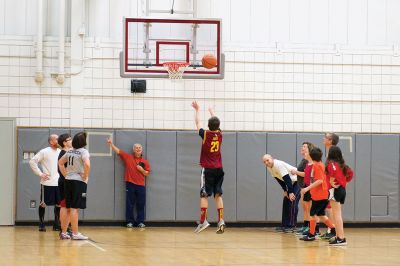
x=175 y=69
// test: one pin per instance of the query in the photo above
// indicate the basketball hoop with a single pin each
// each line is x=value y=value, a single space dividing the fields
x=175 y=69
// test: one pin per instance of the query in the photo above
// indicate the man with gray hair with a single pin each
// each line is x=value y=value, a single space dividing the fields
x=281 y=171
x=136 y=169
x=47 y=158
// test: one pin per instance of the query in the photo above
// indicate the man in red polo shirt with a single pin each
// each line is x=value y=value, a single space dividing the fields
x=136 y=169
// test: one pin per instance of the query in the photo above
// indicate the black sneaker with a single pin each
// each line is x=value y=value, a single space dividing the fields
x=42 y=228
x=56 y=227
x=328 y=236
x=279 y=229
x=308 y=237
x=338 y=242
x=288 y=230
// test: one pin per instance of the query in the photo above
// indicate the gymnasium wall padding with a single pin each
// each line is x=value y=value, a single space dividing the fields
x=250 y=194
x=188 y=177
x=385 y=176
x=161 y=184
x=347 y=145
x=281 y=146
x=251 y=177
x=362 y=178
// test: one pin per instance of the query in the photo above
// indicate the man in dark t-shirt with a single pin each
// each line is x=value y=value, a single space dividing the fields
x=212 y=173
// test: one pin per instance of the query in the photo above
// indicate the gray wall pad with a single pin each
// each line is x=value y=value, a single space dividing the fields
x=124 y=139
x=188 y=177
x=362 y=179
x=385 y=175
x=161 y=183
x=100 y=189
x=249 y=193
x=282 y=147
x=347 y=145
x=251 y=181
x=28 y=184
x=229 y=154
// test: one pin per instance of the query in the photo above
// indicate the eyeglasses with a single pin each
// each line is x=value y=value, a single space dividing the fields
x=69 y=139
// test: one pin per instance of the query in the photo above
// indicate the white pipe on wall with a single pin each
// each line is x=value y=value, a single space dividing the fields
x=61 y=43
x=39 y=45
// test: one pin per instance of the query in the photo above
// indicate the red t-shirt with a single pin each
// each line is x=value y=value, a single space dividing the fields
x=336 y=172
x=132 y=174
x=210 y=156
x=318 y=173
x=307 y=174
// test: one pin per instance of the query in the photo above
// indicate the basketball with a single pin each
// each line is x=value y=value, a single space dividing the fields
x=209 y=61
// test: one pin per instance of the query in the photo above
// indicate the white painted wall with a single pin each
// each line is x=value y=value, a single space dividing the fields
x=338 y=68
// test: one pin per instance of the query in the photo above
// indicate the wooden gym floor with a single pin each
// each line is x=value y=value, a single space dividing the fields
x=24 y=245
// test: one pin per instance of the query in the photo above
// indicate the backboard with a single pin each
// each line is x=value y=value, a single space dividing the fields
x=150 y=42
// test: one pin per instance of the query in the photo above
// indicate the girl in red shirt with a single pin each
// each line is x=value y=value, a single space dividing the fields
x=339 y=174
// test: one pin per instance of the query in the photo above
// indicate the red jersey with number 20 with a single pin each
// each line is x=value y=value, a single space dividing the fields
x=210 y=156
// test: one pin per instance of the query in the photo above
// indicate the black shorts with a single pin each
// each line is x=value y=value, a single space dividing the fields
x=318 y=207
x=212 y=179
x=75 y=194
x=307 y=196
x=338 y=194
x=49 y=195
x=61 y=181
x=300 y=181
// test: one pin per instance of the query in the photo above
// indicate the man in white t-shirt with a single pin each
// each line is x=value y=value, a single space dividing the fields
x=47 y=158
x=281 y=171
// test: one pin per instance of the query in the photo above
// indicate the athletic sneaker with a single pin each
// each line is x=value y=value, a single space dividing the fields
x=305 y=231
x=141 y=225
x=202 y=226
x=221 y=227
x=329 y=235
x=56 y=227
x=301 y=229
x=69 y=231
x=129 y=225
x=42 y=228
x=279 y=228
x=338 y=242
x=64 y=236
x=288 y=230
x=79 y=236
x=308 y=237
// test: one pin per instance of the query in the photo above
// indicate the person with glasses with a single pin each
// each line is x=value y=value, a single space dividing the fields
x=48 y=172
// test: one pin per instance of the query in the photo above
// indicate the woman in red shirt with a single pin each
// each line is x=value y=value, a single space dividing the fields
x=339 y=174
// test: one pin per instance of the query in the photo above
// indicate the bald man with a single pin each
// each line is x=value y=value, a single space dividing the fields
x=281 y=171
x=47 y=158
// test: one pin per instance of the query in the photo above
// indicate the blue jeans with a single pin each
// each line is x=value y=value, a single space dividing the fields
x=135 y=197
x=290 y=209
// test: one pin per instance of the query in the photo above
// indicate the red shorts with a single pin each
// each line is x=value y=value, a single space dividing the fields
x=63 y=203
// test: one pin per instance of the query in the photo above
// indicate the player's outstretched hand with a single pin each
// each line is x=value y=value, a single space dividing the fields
x=109 y=141
x=195 y=105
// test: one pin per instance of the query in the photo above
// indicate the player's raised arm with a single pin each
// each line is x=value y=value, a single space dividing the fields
x=212 y=111
x=196 y=107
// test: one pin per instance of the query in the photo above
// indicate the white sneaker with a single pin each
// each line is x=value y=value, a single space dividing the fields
x=221 y=227
x=79 y=236
x=202 y=226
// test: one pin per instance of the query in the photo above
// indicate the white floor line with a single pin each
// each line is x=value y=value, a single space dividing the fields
x=94 y=245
